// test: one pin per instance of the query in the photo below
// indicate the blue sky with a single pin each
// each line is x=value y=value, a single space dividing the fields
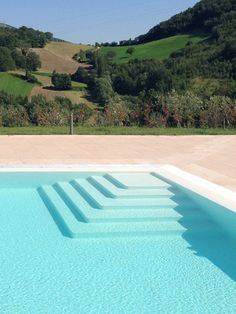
x=89 y=21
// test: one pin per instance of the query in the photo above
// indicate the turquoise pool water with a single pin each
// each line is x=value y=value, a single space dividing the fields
x=113 y=243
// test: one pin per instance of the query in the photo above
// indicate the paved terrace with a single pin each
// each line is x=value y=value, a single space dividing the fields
x=210 y=157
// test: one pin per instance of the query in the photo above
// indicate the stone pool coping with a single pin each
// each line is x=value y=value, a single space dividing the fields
x=211 y=157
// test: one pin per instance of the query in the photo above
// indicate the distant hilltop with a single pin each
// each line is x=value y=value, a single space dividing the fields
x=3 y=25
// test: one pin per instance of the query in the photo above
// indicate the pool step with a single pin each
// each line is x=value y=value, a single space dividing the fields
x=136 y=180
x=76 y=201
x=76 y=218
x=110 y=190
x=98 y=200
x=80 y=228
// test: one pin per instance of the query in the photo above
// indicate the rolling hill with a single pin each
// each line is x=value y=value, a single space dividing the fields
x=58 y=56
x=204 y=17
x=54 y=56
x=159 y=49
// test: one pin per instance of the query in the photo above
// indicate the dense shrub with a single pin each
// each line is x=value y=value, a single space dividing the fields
x=47 y=113
x=220 y=112
x=1 y=114
x=61 y=81
x=117 y=114
x=14 y=116
x=153 y=110
x=82 y=114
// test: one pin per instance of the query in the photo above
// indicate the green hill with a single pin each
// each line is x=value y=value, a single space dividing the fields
x=159 y=49
x=205 y=17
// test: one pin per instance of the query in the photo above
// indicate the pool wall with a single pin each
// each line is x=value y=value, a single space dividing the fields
x=223 y=216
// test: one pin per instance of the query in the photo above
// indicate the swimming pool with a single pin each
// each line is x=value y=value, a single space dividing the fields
x=115 y=241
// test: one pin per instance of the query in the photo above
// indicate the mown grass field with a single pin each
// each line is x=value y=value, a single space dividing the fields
x=83 y=130
x=159 y=49
x=14 y=85
x=65 y=50
x=58 y=56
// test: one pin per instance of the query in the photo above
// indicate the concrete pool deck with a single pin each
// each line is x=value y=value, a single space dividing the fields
x=210 y=157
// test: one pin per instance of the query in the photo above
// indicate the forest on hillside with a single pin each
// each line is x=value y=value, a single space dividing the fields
x=194 y=87
x=190 y=88
x=15 y=44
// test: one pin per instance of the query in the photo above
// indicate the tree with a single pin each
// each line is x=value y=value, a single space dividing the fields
x=82 y=56
x=49 y=36
x=91 y=56
x=229 y=51
x=6 y=61
x=32 y=61
x=110 y=55
x=61 y=81
x=19 y=59
x=130 y=50
x=81 y=75
x=103 y=90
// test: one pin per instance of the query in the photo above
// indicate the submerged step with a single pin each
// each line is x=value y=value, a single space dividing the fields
x=62 y=215
x=77 y=202
x=110 y=190
x=79 y=228
x=72 y=223
x=98 y=200
x=136 y=180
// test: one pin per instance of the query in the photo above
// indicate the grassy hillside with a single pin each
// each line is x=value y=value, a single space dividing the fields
x=58 y=56
x=14 y=85
x=76 y=95
x=159 y=49
x=65 y=50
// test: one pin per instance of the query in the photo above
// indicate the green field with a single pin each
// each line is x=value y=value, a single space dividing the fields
x=14 y=85
x=83 y=130
x=159 y=49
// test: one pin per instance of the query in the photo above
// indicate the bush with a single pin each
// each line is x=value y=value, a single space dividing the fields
x=14 y=116
x=1 y=114
x=61 y=81
x=117 y=113
x=29 y=77
x=47 y=113
x=130 y=50
x=82 y=114
x=220 y=112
